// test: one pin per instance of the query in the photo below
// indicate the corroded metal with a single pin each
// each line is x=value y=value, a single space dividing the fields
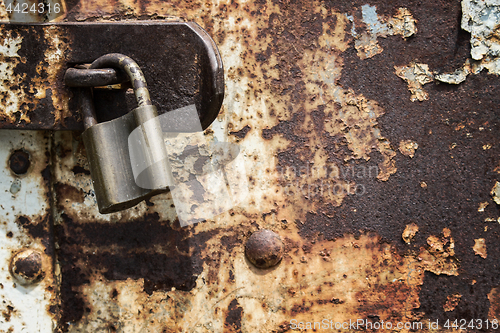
x=264 y=249
x=375 y=196
x=386 y=205
x=183 y=63
x=26 y=266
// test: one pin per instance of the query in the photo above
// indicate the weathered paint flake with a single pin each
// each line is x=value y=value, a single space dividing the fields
x=415 y=75
x=495 y=193
x=408 y=148
x=439 y=256
x=366 y=43
x=55 y=58
x=410 y=232
x=482 y=206
x=480 y=247
x=357 y=121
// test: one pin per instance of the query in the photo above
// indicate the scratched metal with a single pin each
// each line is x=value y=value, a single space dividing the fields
x=385 y=201
x=26 y=218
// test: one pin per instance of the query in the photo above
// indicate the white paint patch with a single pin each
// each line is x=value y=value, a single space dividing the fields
x=27 y=305
x=371 y=20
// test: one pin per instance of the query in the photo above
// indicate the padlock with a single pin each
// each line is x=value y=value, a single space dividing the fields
x=127 y=155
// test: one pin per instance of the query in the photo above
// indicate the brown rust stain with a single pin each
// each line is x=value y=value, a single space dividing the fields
x=7 y=313
x=69 y=193
x=233 y=317
x=494 y=298
x=439 y=257
x=34 y=88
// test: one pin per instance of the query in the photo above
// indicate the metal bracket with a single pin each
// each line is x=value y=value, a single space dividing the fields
x=180 y=61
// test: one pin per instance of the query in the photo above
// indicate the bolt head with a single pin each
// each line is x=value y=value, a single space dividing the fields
x=26 y=266
x=19 y=162
x=264 y=249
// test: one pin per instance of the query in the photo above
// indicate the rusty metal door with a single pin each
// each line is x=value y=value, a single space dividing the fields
x=369 y=142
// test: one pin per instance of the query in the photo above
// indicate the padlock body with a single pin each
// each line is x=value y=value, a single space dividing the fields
x=109 y=152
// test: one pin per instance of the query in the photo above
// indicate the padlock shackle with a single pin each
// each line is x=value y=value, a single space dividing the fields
x=129 y=66
x=87 y=107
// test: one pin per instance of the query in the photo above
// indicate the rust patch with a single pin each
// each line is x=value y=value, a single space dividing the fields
x=366 y=43
x=408 y=148
x=233 y=317
x=439 y=256
x=35 y=94
x=494 y=298
x=480 y=247
x=19 y=162
x=482 y=206
x=264 y=249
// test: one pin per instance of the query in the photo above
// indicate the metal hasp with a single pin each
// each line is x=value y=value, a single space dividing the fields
x=182 y=65
x=107 y=144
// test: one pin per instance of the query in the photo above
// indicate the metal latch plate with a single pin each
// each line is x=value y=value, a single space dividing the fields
x=180 y=62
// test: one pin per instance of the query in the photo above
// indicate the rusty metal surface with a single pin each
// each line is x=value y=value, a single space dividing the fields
x=386 y=206
x=183 y=68
x=264 y=249
x=29 y=299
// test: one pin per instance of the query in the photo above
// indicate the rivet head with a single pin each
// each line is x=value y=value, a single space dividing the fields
x=264 y=249
x=19 y=162
x=26 y=266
